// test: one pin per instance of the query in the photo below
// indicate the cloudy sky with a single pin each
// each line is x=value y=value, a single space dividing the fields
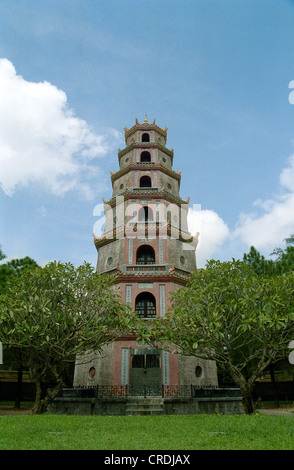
x=73 y=73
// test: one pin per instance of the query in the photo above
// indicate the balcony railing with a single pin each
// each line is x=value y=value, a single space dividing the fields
x=146 y=267
x=154 y=268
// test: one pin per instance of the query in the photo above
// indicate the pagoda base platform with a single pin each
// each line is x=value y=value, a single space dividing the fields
x=82 y=401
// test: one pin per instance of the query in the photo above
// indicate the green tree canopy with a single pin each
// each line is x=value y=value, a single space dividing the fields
x=229 y=314
x=57 y=312
x=283 y=262
x=285 y=257
x=9 y=270
x=14 y=268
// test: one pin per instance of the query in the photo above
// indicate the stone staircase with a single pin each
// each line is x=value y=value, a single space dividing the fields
x=138 y=405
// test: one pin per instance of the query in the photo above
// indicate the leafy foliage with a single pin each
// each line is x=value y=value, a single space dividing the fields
x=57 y=312
x=9 y=270
x=283 y=263
x=14 y=268
x=229 y=314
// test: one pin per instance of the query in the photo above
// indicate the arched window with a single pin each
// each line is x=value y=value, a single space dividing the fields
x=145 y=182
x=145 y=137
x=145 y=214
x=145 y=157
x=145 y=255
x=145 y=305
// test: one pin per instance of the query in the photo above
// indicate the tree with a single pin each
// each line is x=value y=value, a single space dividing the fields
x=283 y=263
x=14 y=268
x=229 y=314
x=259 y=263
x=285 y=258
x=8 y=272
x=57 y=312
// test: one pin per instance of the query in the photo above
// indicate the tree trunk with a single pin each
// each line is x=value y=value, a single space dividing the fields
x=36 y=408
x=19 y=385
x=273 y=380
x=248 y=402
x=41 y=405
x=246 y=387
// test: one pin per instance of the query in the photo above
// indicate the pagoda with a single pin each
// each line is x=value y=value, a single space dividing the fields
x=147 y=246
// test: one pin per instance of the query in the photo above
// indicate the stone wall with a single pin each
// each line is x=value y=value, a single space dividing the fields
x=171 y=406
x=197 y=371
x=110 y=256
x=165 y=159
x=92 y=369
x=180 y=255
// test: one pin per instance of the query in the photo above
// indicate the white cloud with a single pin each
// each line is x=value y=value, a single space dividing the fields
x=41 y=139
x=270 y=222
x=267 y=230
x=213 y=232
x=287 y=175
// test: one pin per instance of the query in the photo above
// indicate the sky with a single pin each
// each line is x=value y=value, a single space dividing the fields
x=218 y=73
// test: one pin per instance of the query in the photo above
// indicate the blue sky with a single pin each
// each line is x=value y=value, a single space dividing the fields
x=73 y=73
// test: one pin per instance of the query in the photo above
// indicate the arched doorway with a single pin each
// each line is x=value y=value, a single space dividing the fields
x=145 y=305
x=145 y=157
x=145 y=372
x=145 y=255
x=145 y=182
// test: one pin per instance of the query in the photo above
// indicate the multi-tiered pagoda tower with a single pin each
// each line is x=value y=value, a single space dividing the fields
x=147 y=245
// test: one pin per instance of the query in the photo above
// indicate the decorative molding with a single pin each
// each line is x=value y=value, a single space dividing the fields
x=128 y=294
x=160 y=251
x=130 y=250
x=145 y=285
x=162 y=300
x=165 y=368
x=140 y=145
x=124 y=372
x=143 y=127
x=145 y=165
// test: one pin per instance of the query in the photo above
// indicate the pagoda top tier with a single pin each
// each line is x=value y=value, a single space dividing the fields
x=145 y=126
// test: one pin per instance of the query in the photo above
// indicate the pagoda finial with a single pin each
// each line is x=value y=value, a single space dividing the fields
x=145 y=121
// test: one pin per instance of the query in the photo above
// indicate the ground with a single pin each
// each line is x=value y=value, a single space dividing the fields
x=282 y=410
x=9 y=410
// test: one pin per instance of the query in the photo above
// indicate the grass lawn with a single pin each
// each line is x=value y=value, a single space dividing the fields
x=197 y=432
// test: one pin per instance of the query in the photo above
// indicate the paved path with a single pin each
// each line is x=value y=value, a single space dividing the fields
x=6 y=410
x=277 y=411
